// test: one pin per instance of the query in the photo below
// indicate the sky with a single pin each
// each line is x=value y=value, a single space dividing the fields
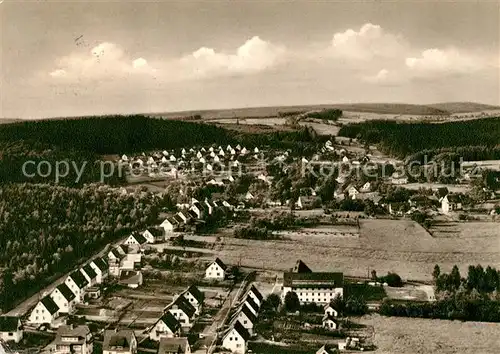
x=74 y=58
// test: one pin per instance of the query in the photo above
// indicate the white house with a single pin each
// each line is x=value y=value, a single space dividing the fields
x=101 y=268
x=255 y=295
x=320 y=288
x=246 y=317
x=367 y=187
x=130 y=278
x=174 y=345
x=195 y=297
x=166 y=326
x=45 y=311
x=122 y=342
x=327 y=349
x=330 y=311
x=236 y=339
x=249 y=196
x=11 y=329
x=256 y=150
x=64 y=298
x=209 y=207
x=183 y=311
x=154 y=234
x=216 y=270
x=252 y=305
x=70 y=339
x=77 y=284
x=135 y=240
x=450 y=202
x=170 y=225
x=329 y=323
x=89 y=274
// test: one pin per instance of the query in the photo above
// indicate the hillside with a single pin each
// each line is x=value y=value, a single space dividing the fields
x=462 y=107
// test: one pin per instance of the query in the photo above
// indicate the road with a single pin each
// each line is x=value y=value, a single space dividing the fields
x=22 y=308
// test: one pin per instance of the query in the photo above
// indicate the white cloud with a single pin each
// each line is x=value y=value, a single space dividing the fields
x=368 y=42
x=58 y=73
x=442 y=61
x=139 y=63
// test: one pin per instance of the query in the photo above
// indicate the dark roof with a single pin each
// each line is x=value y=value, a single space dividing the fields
x=178 y=219
x=80 y=332
x=246 y=310
x=192 y=214
x=50 y=305
x=183 y=305
x=329 y=348
x=9 y=323
x=257 y=293
x=130 y=277
x=156 y=231
x=329 y=317
x=79 y=279
x=101 y=264
x=220 y=263
x=241 y=330
x=139 y=238
x=117 y=339
x=116 y=253
x=66 y=292
x=454 y=198
x=317 y=280
x=89 y=271
x=197 y=294
x=301 y=267
x=200 y=206
x=170 y=321
x=442 y=192
x=173 y=345
x=252 y=303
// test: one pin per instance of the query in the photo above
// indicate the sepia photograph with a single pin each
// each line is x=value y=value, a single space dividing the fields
x=249 y=176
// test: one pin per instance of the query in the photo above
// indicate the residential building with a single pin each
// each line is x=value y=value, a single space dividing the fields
x=89 y=273
x=236 y=339
x=114 y=260
x=166 y=326
x=170 y=225
x=183 y=311
x=11 y=329
x=135 y=241
x=246 y=317
x=330 y=311
x=174 y=346
x=319 y=288
x=45 y=311
x=77 y=283
x=301 y=267
x=451 y=202
x=327 y=349
x=195 y=297
x=252 y=305
x=73 y=340
x=101 y=267
x=64 y=298
x=216 y=270
x=154 y=234
x=329 y=322
x=131 y=278
x=119 y=342
x=255 y=295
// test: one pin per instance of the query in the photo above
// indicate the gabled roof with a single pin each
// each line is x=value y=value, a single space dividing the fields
x=178 y=219
x=139 y=238
x=307 y=280
x=327 y=348
x=183 y=305
x=156 y=231
x=115 y=253
x=192 y=214
x=9 y=323
x=49 y=304
x=256 y=293
x=173 y=345
x=101 y=264
x=79 y=279
x=170 y=321
x=81 y=332
x=249 y=301
x=238 y=327
x=113 y=339
x=246 y=310
x=220 y=263
x=130 y=277
x=89 y=271
x=66 y=292
x=328 y=317
x=301 y=267
x=197 y=294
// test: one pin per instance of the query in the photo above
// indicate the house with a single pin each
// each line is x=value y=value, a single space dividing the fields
x=367 y=187
x=185 y=218
x=101 y=267
x=195 y=297
x=345 y=159
x=245 y=316
x=114 y=259
x=11 y=329
x=329 y=322
x=94 y=292
x=255 y=295
x=216 y=270
x=174 y=346
x=209 y=207
x=198 y=209
x=70 y=339
x=183 y=311
x=315 y=287
x=236 y=339
x=90 y=274
x=167 y=326
x=77 y=283
x=119 y=342
x=451 y=202
x=301 y=267
x=252 y=305
x=306 y=202
x=398 y=178
x=170 y=225
x=352 y=191
x=330 y=311
x=135 y=240
x=154 y=234
x=327 y=349
x=132 y=279
x=64 y=298
x=45 y=311
x=249 y=196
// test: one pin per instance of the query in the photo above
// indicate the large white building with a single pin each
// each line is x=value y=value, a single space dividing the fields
x=314 y=287
x=10 y=329
x=73 y=340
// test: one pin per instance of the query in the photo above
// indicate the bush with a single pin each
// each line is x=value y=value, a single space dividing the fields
x=392 y=279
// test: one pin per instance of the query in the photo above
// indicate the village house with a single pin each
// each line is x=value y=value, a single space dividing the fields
x=119 y=342
x=327 y=349
x=154 y=234
x=135 y=241
x=367 y=187
x=246 y=317
x=306 y=202
x=216 y=270
x=198 y=209
x=64 y=298
x=183 y=311
x=195 y=297
x=73 y=340
x=94 y=292
x=209 y=207
x=45 y=311
x=114 y=261
x=130 y=278
x=101 y=268
x=236 y=339
x=319 y=288
x=89 y=274
x=451 y=202
x=11 y=329
x=252 y=305
x=301 y=267
x=329 y=322
x=170 y=225
x=330 y=311
x=174 y=346
x=255 y=295
x=166 y=326
x=77 y=283
x=352 y=191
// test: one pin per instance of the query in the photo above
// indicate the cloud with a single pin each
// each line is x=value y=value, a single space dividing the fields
x=368 y=42
x=139 y=63
x=443 y=61
x=58 y=73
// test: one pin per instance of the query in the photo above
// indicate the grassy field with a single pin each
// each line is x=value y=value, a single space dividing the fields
x=401 y=246
x=424 y=336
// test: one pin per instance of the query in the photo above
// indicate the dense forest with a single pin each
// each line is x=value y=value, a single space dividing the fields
x=46 y=229
x=481 y=136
